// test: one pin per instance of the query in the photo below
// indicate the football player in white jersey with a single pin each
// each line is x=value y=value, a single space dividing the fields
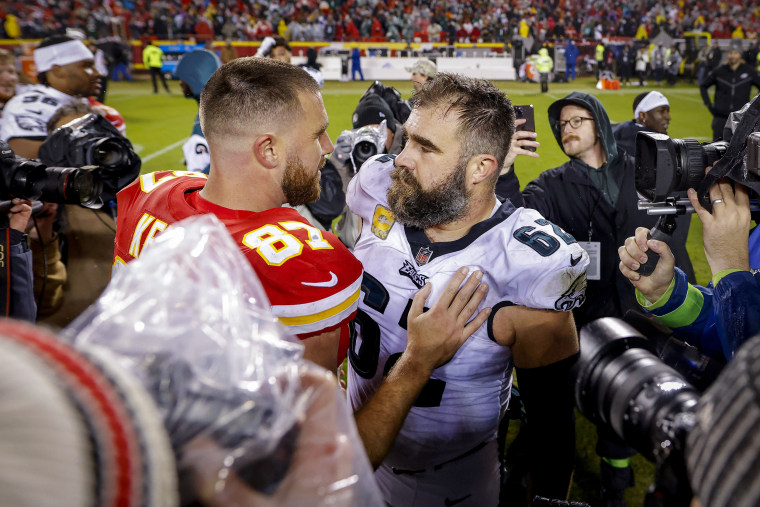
x=426 y=214
x=66 y=72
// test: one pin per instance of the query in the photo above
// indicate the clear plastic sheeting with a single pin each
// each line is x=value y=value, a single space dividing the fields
x=250 y=421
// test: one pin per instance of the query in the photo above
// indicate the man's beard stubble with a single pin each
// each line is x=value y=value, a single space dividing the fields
x=416 y=207
x=298 y=185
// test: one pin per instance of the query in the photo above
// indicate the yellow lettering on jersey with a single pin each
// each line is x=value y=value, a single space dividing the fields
x=136 y=245
x=316 y=241
x=118 y=264
x=148 y=182
x=158 y=226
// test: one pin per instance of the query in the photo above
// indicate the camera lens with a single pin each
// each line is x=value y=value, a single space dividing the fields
x=363 y=151
x=623 y=384
x=107 y=152
x=69 y=185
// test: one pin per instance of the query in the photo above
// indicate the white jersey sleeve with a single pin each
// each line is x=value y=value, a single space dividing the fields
x=26 y=115
x=546 y=266
x=369 y=187
x=197 y=157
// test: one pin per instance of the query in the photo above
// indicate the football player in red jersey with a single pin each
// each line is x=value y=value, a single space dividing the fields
x=266 y=127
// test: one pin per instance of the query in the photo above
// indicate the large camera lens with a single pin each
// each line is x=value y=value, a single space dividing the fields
x=621 y=383
x=71 y=185
x=108 y=152
x=665 y=166
x=363 y=151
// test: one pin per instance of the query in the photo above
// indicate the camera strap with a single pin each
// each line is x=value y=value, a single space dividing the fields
x=5 y=271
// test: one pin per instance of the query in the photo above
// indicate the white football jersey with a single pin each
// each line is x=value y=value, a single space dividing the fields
x=525 y=260
x=26 y=115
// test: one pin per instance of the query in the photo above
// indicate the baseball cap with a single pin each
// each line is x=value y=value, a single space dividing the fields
x=736 y=45
x=372 y=110
x=423 y=66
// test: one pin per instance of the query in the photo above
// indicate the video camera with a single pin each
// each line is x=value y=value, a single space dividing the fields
x=623 y=382
x=359 y=145
x=666 y=168
x=84 y=162
x=365 y=141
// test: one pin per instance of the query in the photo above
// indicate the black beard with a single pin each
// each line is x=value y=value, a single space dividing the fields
x=416 y=207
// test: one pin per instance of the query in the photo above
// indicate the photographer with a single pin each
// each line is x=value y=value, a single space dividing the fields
x=717 y=318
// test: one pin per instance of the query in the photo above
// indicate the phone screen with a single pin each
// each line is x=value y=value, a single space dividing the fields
x=526 y=112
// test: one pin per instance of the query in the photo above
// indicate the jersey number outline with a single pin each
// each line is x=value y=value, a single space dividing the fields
x=276 y=246
x=365 y=360
x=542 y=242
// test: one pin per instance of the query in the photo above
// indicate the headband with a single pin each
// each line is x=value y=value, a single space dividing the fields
x=61 y=54
x=650 y=101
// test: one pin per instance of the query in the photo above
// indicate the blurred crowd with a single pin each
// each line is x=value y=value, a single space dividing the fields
x=381 y=20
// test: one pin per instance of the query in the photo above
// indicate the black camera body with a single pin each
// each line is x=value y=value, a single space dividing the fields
x=31 y=180
x=666 y=168
x=85 y=162
x=622 y=383
x=91 y=141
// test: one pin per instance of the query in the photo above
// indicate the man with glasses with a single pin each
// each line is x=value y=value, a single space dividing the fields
x=592 y=196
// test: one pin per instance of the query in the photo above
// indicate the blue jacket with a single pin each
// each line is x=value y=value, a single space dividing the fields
x=571 y=53
x=717 y=320
x=195 y=68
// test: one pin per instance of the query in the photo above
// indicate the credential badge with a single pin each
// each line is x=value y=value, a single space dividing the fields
x=382 y=221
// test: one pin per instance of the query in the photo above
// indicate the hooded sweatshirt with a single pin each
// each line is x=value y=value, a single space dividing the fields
x=195 y=69
x=598 y=206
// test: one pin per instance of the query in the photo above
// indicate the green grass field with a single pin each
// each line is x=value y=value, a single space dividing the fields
x=158 y=124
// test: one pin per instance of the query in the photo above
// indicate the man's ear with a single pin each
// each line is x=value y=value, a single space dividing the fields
x=266 y=150
x=481 y=167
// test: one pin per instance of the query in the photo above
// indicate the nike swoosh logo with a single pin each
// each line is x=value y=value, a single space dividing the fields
x=573 y=261
x=448 y=502
x=35 y=112
x=329 y=283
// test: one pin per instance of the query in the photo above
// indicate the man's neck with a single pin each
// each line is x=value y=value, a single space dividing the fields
x=236 y=194
x=479 y=211
x=735 y=66
x=595 y=158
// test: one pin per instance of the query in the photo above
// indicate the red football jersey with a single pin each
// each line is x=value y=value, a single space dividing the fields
x=311 y=279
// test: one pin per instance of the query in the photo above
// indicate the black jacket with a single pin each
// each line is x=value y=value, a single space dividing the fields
x=732 y=88
x=625 y=136
x=566 y=196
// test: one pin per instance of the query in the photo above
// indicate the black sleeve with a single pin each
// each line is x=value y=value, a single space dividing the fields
x=331 y=200
x=508 y=186
x=547 y=393
x=536 y=196
x=22 y=304
x=704 y=85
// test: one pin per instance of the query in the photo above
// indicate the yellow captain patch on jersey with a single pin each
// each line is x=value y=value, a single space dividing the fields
x=382 y=221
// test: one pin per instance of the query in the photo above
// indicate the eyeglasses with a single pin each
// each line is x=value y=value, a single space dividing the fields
x=574 y=122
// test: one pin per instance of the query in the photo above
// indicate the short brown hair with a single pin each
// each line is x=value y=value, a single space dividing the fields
x=485 y=114
x=7 y=57
x=250 y=92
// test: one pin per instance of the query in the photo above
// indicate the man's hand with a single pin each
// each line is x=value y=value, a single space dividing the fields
x=435 y=336
x=633 y=253
x=725 y=232
x=19 y=214
x=521 y=140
